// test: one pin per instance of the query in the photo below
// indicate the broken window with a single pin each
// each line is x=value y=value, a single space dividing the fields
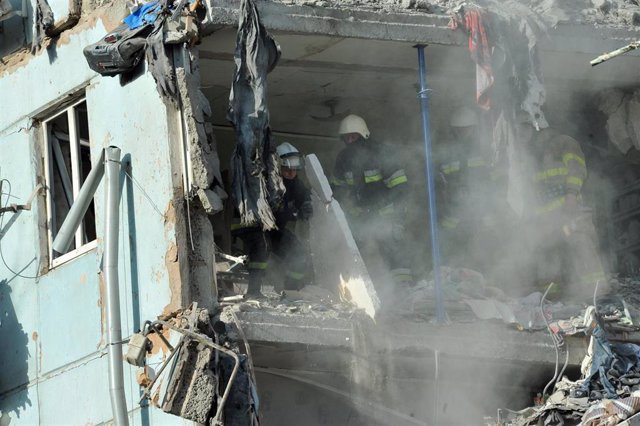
x=68 y=163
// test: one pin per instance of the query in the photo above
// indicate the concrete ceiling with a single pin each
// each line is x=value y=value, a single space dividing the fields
x=377 y=79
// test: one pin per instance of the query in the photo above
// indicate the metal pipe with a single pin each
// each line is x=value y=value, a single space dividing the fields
x=76 y=213
x=431 y=187
x=553 y=339
x=174 y=351
x=605 y=57
x=110 y=268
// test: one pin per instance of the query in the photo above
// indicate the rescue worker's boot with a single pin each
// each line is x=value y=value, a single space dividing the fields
x=254 y=289
x=294 y=281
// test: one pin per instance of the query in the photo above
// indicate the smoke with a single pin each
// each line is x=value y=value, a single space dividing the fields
x=395 y=360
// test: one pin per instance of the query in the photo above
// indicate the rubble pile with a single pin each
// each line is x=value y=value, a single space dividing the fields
x=622 y=110
x=606 y=12
x=204 y=376
x=468 y=297
x=310 y=301
x=627 y=288
x=607 y=393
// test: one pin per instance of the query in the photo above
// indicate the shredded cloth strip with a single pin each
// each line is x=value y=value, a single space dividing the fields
x=257 y=185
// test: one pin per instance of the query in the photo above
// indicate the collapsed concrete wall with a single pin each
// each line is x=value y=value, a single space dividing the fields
x=202 y=375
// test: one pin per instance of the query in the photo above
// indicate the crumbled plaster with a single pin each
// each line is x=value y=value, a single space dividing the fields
x=202 y=279
x=110 y=15
x=175 y=268
x=617 y=13
x=202 y=145
x=158 y=344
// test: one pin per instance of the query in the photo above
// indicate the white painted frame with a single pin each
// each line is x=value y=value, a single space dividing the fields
x=75 y=143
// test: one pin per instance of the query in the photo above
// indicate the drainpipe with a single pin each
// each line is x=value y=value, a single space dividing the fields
x=110 y=269
x=431 y=191
x=77 y=211
x=109 y=166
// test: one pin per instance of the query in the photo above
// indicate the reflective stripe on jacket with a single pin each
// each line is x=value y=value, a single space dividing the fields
x=370 y=174
x=561 y=170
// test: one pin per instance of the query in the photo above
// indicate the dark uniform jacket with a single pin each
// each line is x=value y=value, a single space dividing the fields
x=294 y=197
x=370 y=174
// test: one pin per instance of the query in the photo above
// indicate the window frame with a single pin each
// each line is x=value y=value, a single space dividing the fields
x=75 y=144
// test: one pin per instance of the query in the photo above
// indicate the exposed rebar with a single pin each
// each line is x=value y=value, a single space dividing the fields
x=207 y=341
x=553 y=338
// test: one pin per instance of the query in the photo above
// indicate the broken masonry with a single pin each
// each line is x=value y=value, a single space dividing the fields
x=203 y=376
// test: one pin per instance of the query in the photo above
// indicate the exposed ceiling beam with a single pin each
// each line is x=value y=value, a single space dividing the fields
x=227 y=128
x=326 y=65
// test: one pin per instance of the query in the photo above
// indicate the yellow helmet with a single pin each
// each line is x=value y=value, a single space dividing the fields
x=354 y=124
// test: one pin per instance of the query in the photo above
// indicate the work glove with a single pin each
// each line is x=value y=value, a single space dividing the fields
x=306 y=210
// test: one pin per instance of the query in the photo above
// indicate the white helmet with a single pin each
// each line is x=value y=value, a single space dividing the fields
x=463 y=117
x=354 y=124
x=289 y=156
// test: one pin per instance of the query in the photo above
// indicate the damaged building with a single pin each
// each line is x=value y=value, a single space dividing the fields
x=136 y=138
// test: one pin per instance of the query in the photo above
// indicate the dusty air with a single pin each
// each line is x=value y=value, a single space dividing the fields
x=320 y=212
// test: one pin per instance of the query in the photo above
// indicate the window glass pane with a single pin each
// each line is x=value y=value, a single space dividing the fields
x=89 y=220
x=60 y=160
x=83 y=122
x=63 y=147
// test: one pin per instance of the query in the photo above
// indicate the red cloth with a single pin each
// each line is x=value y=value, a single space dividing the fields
x=480 y=50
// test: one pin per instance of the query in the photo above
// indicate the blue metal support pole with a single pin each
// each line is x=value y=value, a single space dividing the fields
x=431 y=187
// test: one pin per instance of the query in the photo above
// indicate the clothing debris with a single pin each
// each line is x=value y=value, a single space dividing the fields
x=503 y=44
x=42 y=21
x=257 y=186
x=143 y=15
x=480 y=51
x=160 y=65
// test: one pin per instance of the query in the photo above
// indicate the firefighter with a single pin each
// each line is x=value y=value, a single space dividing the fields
x=370 y=182
x=562 y=224
x=465 y=191
x=296 y=205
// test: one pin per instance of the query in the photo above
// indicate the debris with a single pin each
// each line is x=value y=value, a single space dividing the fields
x=142 y=377
x=608 y=392
x=42 y=21
x=118 y=52
x=5 y=8
x=628 y=48
x=205 y=378
x=257 y=185
x=210 y=201
x=611 y=412
x=160 y=66
x=148 y=30
x=613 y=104
x=503 y=44
x=146 y=14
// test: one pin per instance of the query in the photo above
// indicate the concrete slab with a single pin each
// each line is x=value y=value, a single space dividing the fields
x=488 y=340
x=355 y=22
x=336 y=258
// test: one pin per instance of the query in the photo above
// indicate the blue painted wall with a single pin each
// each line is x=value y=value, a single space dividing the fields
x=54 y=368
